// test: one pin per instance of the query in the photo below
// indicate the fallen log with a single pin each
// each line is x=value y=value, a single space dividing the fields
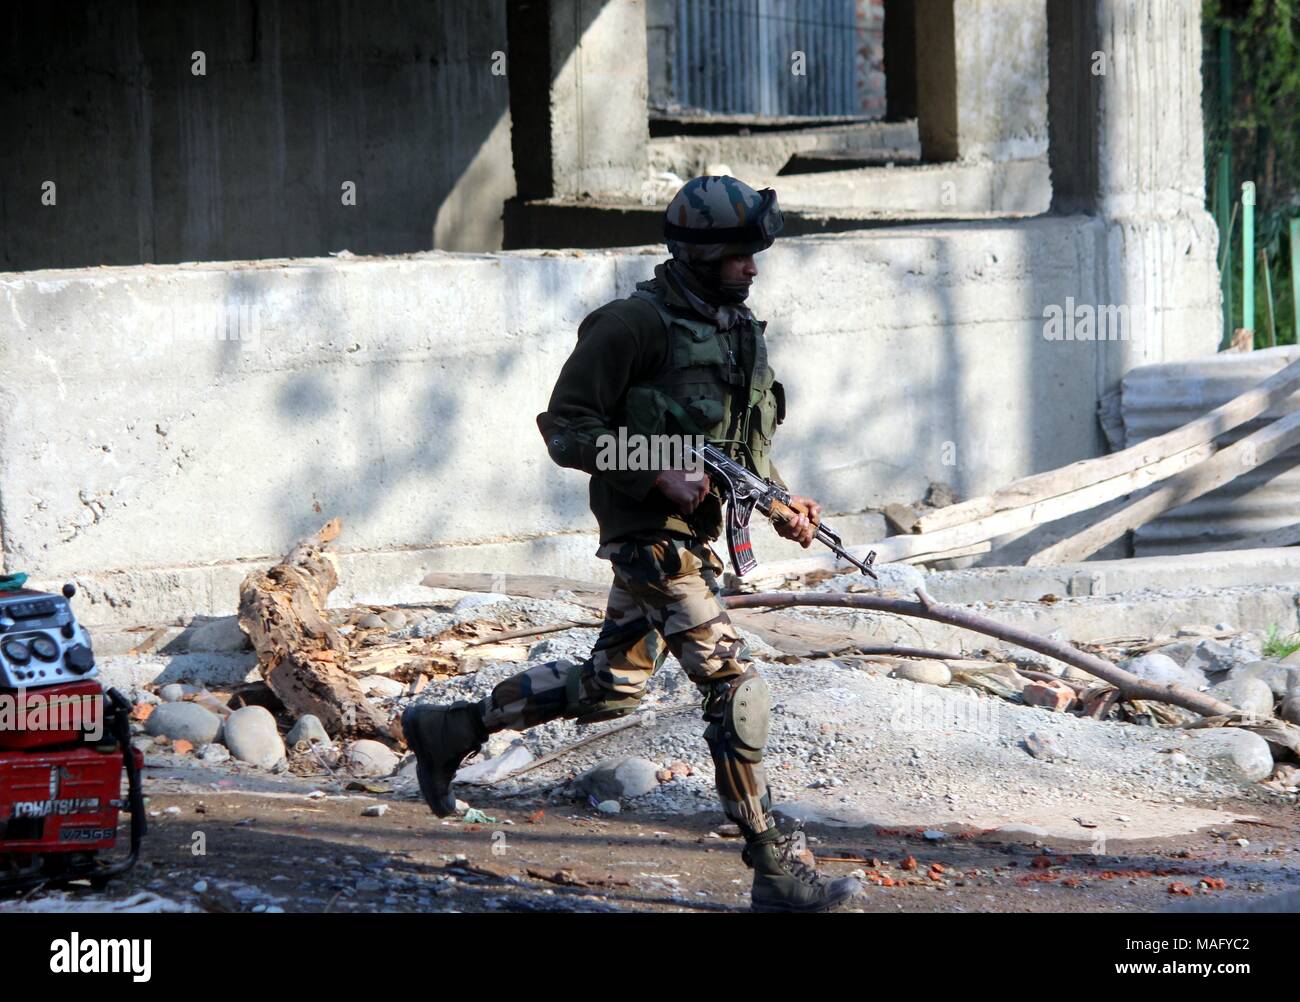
x=301 y=656
x=1129 y=685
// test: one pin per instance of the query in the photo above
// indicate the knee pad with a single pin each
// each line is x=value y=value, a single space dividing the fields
x=740 y=709
x=582 y=712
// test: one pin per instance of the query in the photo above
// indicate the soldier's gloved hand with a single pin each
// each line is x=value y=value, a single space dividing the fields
x=802 y=526
x=684 y=488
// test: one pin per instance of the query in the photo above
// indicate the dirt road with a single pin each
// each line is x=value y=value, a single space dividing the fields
x=231 y=845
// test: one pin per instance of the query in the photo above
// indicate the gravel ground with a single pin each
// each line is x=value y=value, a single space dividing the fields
x=851 y=745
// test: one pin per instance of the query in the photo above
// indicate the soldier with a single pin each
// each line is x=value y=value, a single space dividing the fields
x=681 y=356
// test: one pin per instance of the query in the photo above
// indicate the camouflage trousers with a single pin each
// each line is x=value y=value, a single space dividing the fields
x=664 y=598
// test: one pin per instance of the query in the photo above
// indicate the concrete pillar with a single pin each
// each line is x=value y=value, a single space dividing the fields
x=981 y=84
x=578 y=84
x=1127 y=146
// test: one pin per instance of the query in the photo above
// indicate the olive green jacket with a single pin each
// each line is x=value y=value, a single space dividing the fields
x=620 y=345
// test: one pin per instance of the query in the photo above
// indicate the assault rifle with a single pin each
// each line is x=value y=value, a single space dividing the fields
x=744 y=491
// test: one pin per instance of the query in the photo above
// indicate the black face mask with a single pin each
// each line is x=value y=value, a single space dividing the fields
x=735 y=292
x=708 y=275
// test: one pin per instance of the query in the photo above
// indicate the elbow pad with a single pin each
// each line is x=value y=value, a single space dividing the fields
x=561 y=445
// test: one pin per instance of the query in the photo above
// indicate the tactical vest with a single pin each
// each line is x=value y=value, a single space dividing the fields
x=713 y=383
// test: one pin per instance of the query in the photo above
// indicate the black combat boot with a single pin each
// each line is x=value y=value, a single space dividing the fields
x=783 y=883
x=442 y=737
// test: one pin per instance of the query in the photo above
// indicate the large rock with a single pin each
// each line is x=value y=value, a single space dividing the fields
x=1247 y=693
x=252 y=737
x=184 y=722
x=308 y=728
x=1274 y=674
x=1213 y=657
x=927 y=672
x=371 y=758
x=1241 y=752
x=1164 y=670
x=219 y=636
x=616 y=779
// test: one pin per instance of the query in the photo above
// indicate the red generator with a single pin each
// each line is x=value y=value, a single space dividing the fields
x=64 y=744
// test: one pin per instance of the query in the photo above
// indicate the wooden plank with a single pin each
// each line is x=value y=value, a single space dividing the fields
x=1288 y=535
x=1014 y=519
x=1254 y=450
x=975 y=549
x=1076 y=476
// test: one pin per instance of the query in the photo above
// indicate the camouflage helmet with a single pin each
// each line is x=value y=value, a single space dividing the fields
x=712 y=217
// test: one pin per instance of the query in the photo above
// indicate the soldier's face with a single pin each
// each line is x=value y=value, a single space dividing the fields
x=738 y=269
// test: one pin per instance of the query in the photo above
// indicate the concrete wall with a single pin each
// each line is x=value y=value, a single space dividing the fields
x=168 y=427
x=154 y=164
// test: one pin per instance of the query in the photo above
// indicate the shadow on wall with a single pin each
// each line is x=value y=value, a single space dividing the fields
x=154 y=162
x=414 y=440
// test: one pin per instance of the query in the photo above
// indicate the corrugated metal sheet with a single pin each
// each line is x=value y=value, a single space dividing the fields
x=1159 y=398
x=735 y=56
